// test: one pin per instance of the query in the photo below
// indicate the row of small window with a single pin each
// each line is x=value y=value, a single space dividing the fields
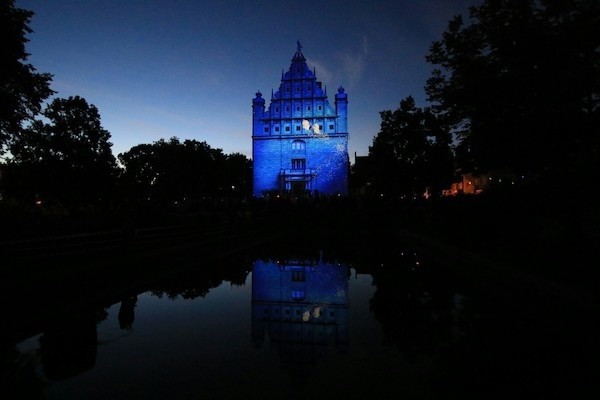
x=298 y=128
x=298 y=88
x=308 y=108
x=295 y=295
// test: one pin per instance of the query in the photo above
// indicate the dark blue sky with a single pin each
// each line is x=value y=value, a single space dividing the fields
x=157 y=69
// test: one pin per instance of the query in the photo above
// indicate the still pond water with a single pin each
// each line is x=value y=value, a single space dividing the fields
x=289 y=327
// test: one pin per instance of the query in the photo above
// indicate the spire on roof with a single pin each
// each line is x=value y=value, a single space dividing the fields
x=299 y=45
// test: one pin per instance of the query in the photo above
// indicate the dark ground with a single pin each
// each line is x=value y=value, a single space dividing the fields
x=555 y=238
x=537 y=258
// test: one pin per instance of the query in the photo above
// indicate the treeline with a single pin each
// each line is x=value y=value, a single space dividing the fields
x=515 y=92
x=57 y=160
x=67 y=160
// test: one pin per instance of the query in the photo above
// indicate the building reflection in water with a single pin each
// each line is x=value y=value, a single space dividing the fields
x=301 y=308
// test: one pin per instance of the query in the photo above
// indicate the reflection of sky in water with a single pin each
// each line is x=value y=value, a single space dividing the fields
x=202 y=345
x=398 y=332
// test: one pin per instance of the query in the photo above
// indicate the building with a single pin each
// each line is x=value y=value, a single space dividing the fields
x=300 y=142
x=300 y=308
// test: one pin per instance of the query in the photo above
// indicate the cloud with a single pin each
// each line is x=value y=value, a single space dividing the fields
x=354 y=63
x=324 y=74
x=349 y=67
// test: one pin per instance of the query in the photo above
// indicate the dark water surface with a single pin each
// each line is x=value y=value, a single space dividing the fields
x=319 y=326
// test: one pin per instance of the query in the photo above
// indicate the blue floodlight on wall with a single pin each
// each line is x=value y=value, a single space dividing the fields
x=300 y=142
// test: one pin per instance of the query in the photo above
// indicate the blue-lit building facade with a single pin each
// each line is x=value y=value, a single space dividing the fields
x=300 y=141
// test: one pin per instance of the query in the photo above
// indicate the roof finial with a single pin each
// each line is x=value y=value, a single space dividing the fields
x=299 y=45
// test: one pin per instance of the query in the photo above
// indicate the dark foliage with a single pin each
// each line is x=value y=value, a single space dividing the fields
x=412 y=152
x=178 y=172
x=520 y=84
x=22 y=89
x=66 y=161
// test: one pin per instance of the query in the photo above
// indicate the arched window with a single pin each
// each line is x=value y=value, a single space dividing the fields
x=298 y=145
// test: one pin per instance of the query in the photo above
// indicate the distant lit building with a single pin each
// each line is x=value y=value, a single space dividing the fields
x=476 y=183
x=300 y=142
x=468 y=184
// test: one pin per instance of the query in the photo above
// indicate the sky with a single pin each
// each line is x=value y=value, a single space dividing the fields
x=157 y=69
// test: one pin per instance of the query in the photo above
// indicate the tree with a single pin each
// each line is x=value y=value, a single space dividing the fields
x=173 y=171
x=67 y=159
x=238 y=173
x=412 y=152
x=520 y=86
x=139 y=172
x=22 y=89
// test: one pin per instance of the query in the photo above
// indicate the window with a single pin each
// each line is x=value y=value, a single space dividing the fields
x=331 y=127
x=298 y=163
x=266 y=129
x=287 y=109
x=298 y=108
x=308 y=108
x=299 y=275
x=298 y=144
x=298 y=295
x=287 y=128
x=320 y=108
x=298 y=127
x=276 y=109
x=276 y=129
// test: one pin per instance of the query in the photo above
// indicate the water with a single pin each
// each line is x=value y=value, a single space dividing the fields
x=311 y=327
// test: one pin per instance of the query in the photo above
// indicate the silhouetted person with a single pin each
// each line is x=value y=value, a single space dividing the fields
x=127 y=313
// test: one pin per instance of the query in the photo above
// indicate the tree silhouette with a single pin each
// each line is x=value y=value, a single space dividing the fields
x=411 y=152
x=66 y=160
x=173 y=171
x=23 y=90
x=520 y=85
x=238 y=174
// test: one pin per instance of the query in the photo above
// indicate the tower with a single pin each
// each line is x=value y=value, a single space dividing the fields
x=300 y=142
